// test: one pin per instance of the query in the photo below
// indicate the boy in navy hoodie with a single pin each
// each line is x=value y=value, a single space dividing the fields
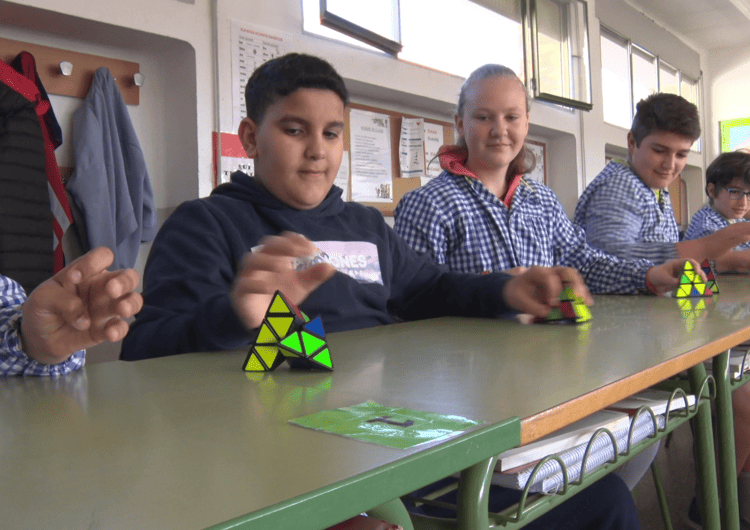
x=217 y=261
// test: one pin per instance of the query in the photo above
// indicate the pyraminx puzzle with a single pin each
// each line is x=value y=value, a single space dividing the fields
x=572 y=309
x=287 y=334
x=691 y=284
x=710 y=276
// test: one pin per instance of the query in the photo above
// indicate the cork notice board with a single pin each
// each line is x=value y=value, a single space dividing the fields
x=400 y=185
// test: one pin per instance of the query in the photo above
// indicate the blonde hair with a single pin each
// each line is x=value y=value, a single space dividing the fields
x=525 y=160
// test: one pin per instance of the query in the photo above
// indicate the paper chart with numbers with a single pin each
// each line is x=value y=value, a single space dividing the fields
x=251 y=47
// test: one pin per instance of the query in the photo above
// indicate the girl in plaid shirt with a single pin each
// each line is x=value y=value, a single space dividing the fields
x=481 y=215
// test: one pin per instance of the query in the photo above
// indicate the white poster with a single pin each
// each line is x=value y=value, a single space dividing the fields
x=433 y=140
x=251 y=47
x=342 y=177
x=411 y=147
x=372 y=172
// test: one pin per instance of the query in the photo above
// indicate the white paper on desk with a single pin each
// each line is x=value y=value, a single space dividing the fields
x=433 y=140
x=342 y=177
x=371 y=168
x=411 y=148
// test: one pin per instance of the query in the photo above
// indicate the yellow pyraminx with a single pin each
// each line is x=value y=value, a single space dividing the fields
x=691 y=283
x=288 y=334
x=572 y=308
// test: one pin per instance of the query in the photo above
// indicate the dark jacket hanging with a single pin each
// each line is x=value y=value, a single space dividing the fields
x=62 y=217
x=25 y=218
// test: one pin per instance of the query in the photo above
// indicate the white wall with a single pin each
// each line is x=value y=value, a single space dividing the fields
x=173 y=41
x=729 y=75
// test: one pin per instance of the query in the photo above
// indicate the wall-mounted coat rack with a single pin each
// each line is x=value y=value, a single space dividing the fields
x=84 y=65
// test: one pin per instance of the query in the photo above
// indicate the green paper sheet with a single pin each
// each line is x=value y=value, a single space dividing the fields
x=395 y=427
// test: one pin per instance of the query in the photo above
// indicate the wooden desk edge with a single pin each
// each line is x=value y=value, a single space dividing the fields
x=550 y=420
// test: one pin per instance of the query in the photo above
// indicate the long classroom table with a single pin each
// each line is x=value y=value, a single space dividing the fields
x=192 y=441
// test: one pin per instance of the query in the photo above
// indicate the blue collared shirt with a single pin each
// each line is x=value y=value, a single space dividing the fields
x=707 y=221
x=623 y=217
x=463 y=225
x=13 y=361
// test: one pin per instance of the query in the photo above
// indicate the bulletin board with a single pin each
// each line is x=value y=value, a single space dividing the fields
x=400 y=185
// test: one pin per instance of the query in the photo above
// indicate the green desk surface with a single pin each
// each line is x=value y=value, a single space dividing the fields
x=191 y=441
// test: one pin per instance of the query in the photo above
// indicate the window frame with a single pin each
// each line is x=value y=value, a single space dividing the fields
x=355 y=31
x=532 y=61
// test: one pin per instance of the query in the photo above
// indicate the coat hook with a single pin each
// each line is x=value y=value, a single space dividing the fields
x=66 y=68
x=138 y=79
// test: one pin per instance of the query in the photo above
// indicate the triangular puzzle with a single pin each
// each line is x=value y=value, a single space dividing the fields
x=691 y=284
x=708 y=270
x=288 y=334
x=572 y=309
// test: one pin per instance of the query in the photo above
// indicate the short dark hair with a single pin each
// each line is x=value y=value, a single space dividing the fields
x=283 y=75
x=726 y=167
x=665 y=113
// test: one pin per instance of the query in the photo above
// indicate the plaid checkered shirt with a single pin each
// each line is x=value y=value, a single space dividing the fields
x=707 y=221
x=623 y=217
x=13 y=361
x=462 y=224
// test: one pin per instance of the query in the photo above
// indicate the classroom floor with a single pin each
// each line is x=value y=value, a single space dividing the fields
x=677 y=473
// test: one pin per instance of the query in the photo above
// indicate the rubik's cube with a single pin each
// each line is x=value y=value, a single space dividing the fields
x=710 y=276
x=287 y=334
x=691 y=284
x=572 y=309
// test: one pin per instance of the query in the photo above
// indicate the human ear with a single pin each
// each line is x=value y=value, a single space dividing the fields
x=459 y=125
x=247 y=133
x=711 y=189
x=631 y=143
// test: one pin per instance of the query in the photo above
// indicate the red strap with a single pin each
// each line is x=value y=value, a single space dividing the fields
x=28 y=89
x=19 y=83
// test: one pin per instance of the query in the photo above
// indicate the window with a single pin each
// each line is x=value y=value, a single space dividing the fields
x=558 y=54
x=429 y=30
x=616 y=80
x=689 y=89
x=645 y=74
x=631 y=73
x=669 y=79
x=378 y=25
x=424 y=32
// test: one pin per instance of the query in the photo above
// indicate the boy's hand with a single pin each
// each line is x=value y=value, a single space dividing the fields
x=516 y=271
x=538 y=289
x=716 y=245
x=269 y=269
x=665 y=277
x=734 y=261
x=79 y=307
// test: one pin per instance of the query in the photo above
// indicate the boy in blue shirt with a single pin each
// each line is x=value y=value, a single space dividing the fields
x=217 y=261
x=728 y=189
x=626 y=210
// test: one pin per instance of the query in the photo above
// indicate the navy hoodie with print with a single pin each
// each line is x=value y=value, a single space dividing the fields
x=196 y=254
